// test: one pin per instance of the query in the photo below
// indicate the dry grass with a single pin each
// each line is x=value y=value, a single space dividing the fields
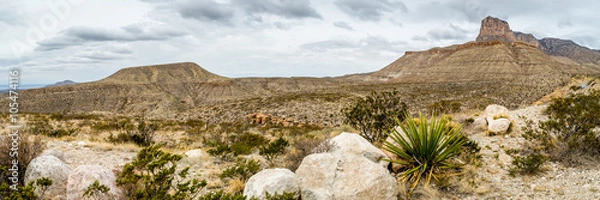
x=236 y=186
x=29 y=147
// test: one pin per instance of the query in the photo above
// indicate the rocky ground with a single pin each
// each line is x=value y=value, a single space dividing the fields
x=492 y=179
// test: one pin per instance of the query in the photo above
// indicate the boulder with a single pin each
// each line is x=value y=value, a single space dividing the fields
x=499 y=126
x=350 y=143
x=272 y=181
x=53 y=168
x=58 y=154
x=343 y=176
x=85 y=175
x=494 y=110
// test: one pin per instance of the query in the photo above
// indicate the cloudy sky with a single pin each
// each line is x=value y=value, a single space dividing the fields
x=86 y=40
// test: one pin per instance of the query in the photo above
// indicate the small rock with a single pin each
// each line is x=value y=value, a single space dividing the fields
x=196 y=153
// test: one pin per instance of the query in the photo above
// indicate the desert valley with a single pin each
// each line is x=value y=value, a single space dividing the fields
x=178 y=131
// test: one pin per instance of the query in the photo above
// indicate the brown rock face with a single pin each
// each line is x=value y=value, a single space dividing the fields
x=495 y=29
x=527 y=38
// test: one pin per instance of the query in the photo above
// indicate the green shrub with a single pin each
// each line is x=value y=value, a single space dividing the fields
x=25 y=192
x=235 y=145
x=273 y=149
x=569 y=129
x=529 y=164
x=142 y=134
x=375 y=114
x=242 y=169
x=152 y=175
x=220 y=195
x=96 y=190
x=426 y=147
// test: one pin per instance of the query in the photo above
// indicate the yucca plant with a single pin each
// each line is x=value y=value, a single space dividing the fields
x=425 y=147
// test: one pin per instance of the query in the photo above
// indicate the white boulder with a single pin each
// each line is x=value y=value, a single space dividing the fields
x=271 y=181
x=343 y=176
x=499 y=126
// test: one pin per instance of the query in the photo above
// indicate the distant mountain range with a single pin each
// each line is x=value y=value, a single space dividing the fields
x=500 y=66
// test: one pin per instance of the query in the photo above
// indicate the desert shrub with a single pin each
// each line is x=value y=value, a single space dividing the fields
x=571 y=128
x=444 y=106
x=425 y=148
x=273 y=149
x=29 y=147
x=142 y=134
x=235 y=145
x=96 y=190
x=242 y=169
x=152 y=175
x=375 y=114
x=529 y=164
x=65 y=117
x=220 y=195
x=25 y=192
x=303 y=147
x=43 y=127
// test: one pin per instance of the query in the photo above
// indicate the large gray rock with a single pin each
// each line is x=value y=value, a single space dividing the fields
x=350 y=143
x=53 y=168
x=272 y=181
x=85 y=175
x=343 y=176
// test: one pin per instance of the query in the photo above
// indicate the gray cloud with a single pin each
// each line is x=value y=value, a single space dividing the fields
x=452 y=32
x=371 y=44
x=369 y=10
x=289 y=9
x=79 y=35
x=343 y=25
x=564 y=23
x=10 y=14
x=206 y=10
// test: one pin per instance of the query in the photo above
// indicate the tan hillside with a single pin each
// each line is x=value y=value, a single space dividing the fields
x=476 y=61
x=166 y=73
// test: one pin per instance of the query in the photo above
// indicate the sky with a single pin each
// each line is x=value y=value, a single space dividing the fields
x=87 y=40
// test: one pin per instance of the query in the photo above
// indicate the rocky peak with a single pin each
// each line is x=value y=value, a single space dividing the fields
x=527 y=38
x=495 y=29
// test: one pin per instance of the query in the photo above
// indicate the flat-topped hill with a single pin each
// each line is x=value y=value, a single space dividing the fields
x=165 y=73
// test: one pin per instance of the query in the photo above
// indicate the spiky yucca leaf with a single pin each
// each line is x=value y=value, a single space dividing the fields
x=425 y=147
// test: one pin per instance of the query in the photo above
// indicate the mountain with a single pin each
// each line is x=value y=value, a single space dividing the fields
x=166 y=73
x=65 y=82
x=501 y=66
x=494 y=29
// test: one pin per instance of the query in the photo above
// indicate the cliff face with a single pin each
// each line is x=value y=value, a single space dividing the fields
x=495 y=29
